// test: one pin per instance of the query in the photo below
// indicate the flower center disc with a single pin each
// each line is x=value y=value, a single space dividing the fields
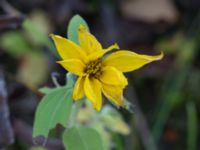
x=93 y=68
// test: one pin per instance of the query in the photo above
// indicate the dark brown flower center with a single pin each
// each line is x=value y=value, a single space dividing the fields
x=93 y=68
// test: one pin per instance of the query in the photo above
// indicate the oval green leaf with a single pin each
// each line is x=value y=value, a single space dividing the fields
x=73 y=26
x=82 y=138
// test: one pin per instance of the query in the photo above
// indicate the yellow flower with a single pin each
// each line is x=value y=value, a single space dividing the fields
x=96 y=72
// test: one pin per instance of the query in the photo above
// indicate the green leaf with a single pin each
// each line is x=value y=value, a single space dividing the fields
x=73 y=26
x=37 y=28
x=192 y=126
x=46 y=90
x=54 y=108
x=82 y=138
x=37 y=148
x=30 y=64
x=9 y=40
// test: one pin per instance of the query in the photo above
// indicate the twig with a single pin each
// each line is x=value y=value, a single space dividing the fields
x=9 y=8
x=108 y=18
x=12 y=19
x=6 y=132
x=141 y=122
x=10 y=22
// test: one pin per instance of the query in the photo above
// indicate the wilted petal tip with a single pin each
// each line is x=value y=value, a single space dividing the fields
x=116 y=46
x=161 y=55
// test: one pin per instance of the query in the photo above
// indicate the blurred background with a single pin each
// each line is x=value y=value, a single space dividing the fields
x=165 y=94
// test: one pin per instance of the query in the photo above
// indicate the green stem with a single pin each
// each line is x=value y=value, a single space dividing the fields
x=192 y=126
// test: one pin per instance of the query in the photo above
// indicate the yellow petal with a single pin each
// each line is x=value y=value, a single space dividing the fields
x=127 y=61
x=68 y=49
x=92 y=89
x=114 y=46
x=74 y=66
x=112 y=76
x=87 y=41
x=100 y=53
x=78 y=92
x=114 y=94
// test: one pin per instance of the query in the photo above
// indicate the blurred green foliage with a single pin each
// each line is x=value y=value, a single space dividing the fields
x=180 y=85
x=27 y=46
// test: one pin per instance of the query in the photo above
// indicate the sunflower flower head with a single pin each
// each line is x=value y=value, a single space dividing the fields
x=96 y=73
